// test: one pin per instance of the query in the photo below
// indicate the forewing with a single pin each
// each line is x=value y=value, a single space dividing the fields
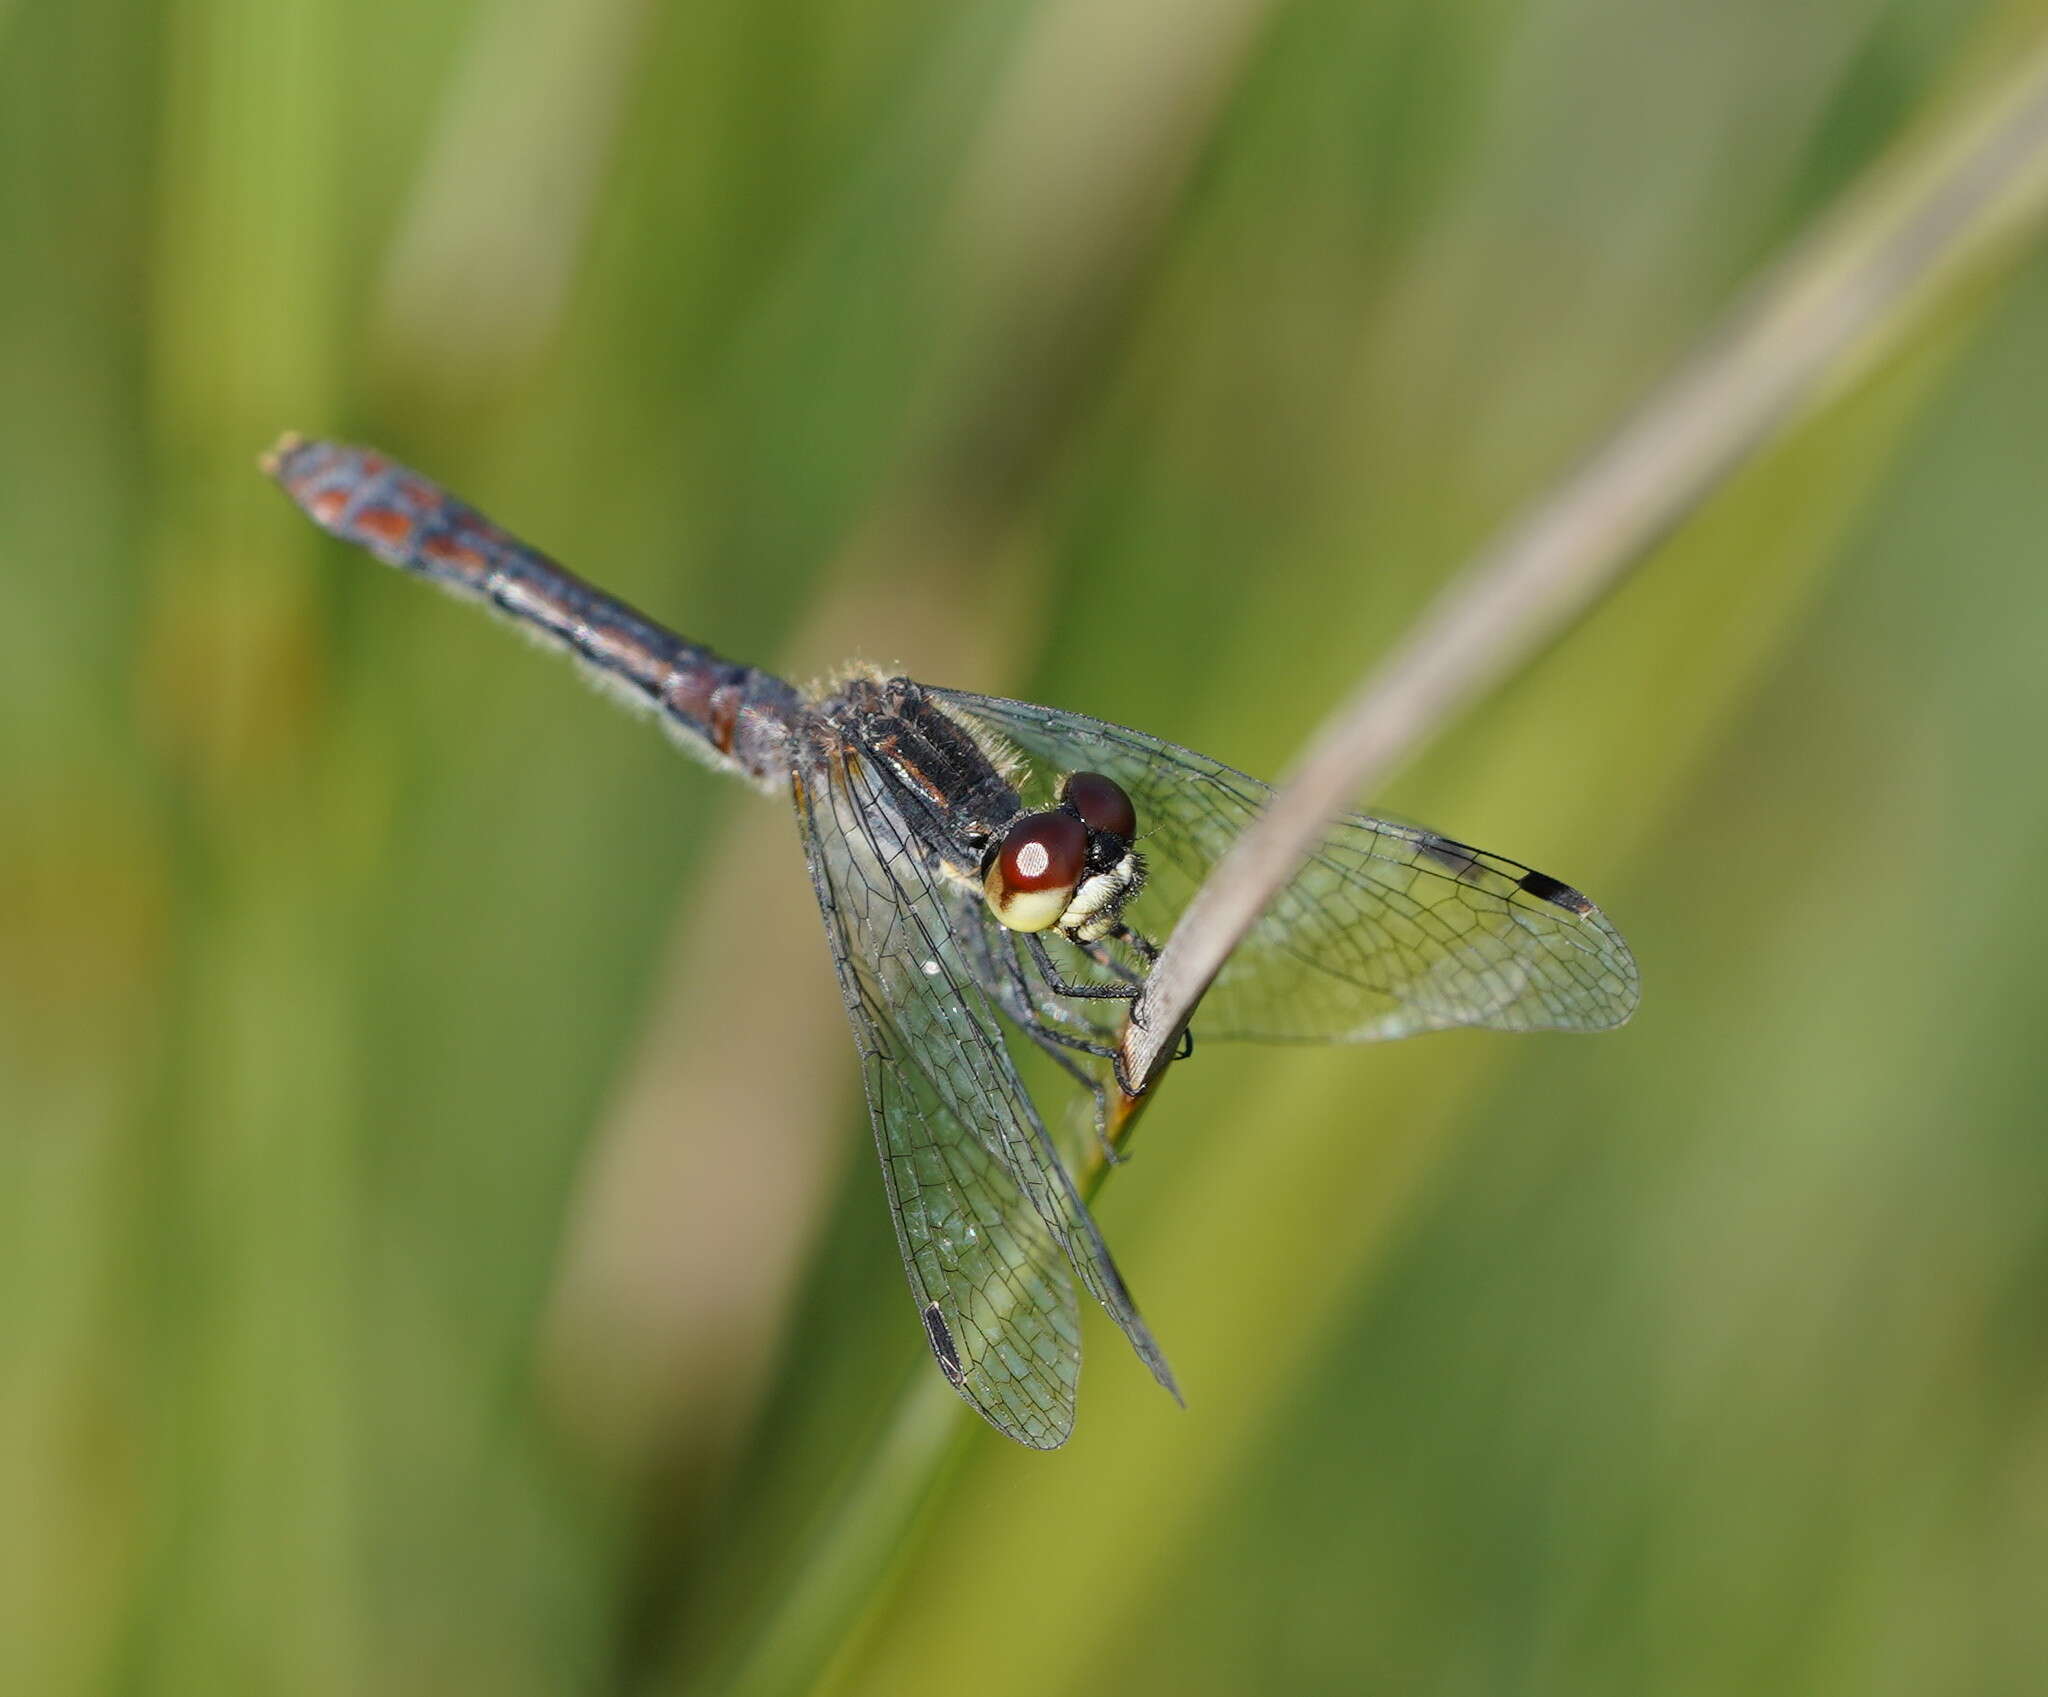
x=1389 y=929
x=986 y=1215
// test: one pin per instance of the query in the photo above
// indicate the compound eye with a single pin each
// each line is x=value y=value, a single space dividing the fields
x=1035 y=871
x=1102 y=803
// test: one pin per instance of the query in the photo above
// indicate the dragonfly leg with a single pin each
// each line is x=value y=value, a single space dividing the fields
x=1100 y=955
x=1058 y=1044
x=1027 y=1010
x=1015 y=998
x=1148 y=951
x=1141 y=945
x=1042 y=958
x=1129 y=991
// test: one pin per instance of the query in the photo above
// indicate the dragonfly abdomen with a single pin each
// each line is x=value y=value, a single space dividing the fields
x=736 y=717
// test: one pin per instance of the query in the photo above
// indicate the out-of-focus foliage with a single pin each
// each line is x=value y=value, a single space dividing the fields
x=438 y=1251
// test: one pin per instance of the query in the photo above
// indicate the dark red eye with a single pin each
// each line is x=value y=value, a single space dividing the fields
x=1102 y=803
x=1036 y=870
x=1043 y=851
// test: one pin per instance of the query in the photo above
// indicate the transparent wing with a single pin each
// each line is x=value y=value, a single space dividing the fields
x=1389 y=929
x=987 y=1217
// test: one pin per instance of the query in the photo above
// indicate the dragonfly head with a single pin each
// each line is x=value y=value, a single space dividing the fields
x=1069 y=869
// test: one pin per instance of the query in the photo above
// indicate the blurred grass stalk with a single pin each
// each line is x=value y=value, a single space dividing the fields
x=1939 y=215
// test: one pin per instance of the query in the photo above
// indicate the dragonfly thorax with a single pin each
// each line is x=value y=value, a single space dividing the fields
x=1071 y=868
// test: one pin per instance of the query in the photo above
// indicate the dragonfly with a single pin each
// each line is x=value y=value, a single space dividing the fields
x=994 y=879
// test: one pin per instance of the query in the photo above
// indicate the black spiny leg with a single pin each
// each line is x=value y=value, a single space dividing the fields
x=1141 y=945
x=1147 y=951
x=1126 y=992
x=1060 y=1045
x=1060 y=986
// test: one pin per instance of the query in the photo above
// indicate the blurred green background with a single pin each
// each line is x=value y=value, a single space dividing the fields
x=439 y=1245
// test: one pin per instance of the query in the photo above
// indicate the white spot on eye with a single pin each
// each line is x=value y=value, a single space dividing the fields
x=1033 y=859
x=931 y=969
